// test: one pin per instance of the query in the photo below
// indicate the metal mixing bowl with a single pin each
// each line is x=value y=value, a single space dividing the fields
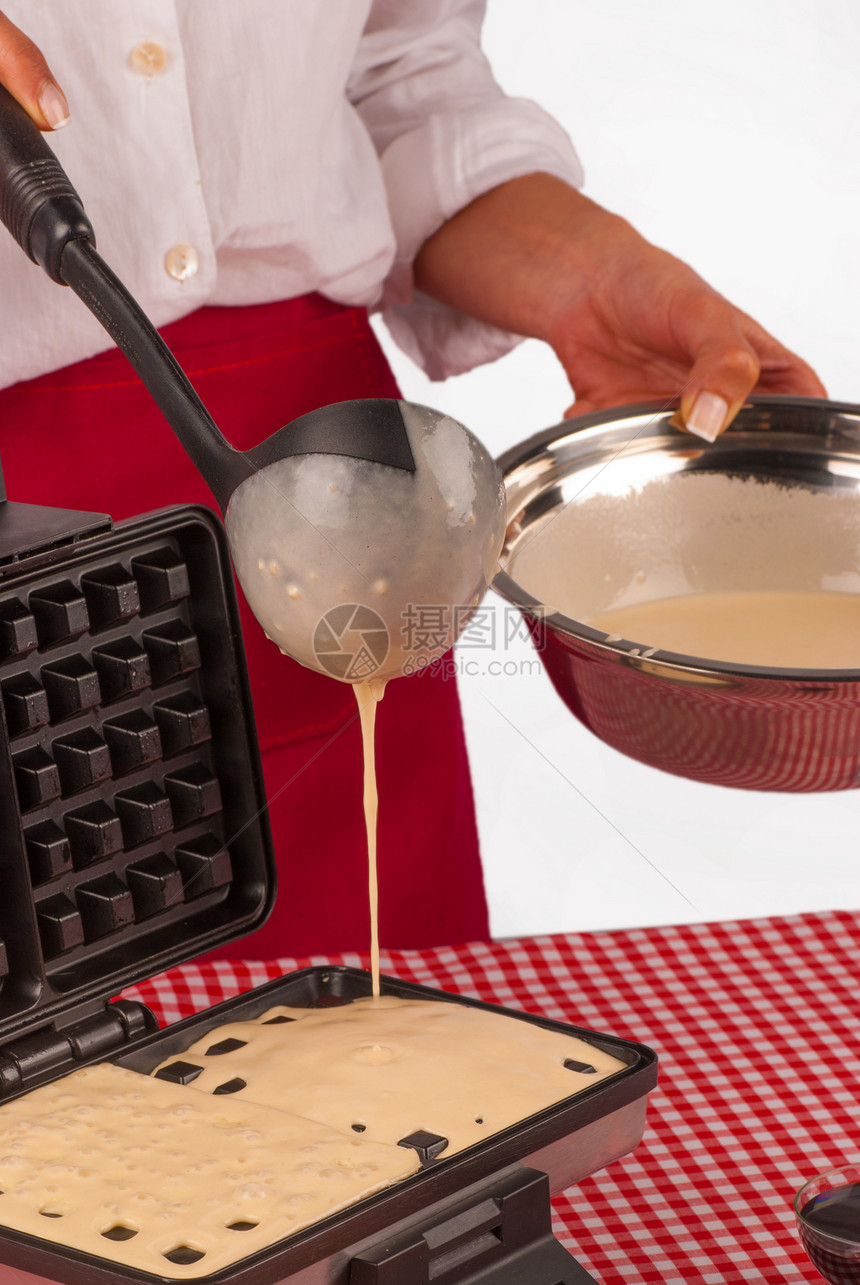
x=774 y=503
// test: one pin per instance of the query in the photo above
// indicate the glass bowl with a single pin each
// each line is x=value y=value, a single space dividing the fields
x=824 y=1222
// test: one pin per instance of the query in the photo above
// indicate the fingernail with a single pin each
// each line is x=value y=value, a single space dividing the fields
x=53 y=105
x=708 y=416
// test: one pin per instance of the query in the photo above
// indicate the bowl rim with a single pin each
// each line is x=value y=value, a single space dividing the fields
x=628 y=651
x=596 y=419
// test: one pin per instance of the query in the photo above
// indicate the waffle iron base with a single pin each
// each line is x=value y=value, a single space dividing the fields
x=480 y=1217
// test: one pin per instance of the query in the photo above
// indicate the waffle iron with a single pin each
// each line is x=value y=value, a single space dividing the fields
x=134 y=834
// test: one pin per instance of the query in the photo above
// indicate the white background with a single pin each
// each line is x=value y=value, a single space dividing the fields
x=729 y=134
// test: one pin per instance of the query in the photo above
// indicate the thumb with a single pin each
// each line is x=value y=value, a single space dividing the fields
x=27 y=76
x=725 y=370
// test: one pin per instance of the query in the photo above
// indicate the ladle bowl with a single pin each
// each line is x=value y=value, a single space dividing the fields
x=773 y=504
x=361 y=570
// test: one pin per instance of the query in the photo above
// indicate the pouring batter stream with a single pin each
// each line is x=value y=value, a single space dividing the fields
x=368 y=695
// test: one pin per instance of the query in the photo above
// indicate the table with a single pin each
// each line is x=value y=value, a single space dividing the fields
x=757 y=1026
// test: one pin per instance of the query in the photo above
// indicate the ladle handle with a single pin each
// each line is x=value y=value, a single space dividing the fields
x=45 y=215
x=37 y=202
x=220 y=465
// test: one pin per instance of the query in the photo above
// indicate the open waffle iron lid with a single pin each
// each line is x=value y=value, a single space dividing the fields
x=133 y=826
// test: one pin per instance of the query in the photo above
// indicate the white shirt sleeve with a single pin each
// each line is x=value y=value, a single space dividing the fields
x=445 y=133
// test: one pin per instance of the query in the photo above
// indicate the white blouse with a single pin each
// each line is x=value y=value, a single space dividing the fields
x=243 y=151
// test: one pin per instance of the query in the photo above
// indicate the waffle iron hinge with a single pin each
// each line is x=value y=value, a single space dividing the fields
x=503 y=1238
x=27 y=529
x=51 y=1052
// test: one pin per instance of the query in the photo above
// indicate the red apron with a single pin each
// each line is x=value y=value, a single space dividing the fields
x=89 y=437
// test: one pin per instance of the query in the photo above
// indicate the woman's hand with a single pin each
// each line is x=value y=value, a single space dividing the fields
x=27 y=76
x=628 y=321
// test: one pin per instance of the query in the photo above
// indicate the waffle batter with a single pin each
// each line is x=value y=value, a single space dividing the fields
x=291 y=1118
x=388 y=1067
x=171 y=1181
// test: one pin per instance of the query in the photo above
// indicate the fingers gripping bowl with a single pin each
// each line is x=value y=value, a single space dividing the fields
x=649 y=513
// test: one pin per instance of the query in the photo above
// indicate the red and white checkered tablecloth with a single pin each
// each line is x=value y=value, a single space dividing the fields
x=757 y=1026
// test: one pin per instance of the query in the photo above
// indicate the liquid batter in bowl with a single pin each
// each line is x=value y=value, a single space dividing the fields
x=705 y=565
x=769 y=628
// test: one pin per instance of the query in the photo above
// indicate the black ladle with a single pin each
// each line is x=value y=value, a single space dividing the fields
x=407 y=514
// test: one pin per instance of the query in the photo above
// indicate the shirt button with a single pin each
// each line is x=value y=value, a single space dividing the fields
x=148 y=58
x=182 y=262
